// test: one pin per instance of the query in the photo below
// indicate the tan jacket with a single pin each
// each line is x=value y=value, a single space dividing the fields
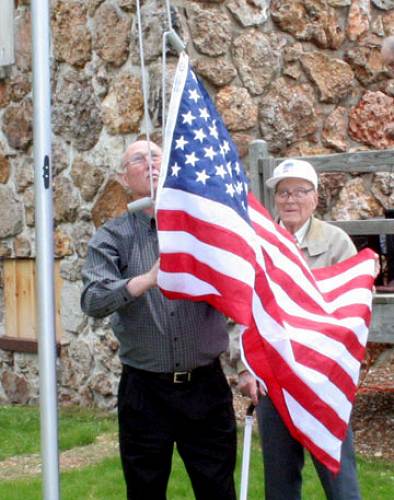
x=323 y=245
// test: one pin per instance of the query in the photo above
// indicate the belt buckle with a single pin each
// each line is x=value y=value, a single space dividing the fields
x=182 y=377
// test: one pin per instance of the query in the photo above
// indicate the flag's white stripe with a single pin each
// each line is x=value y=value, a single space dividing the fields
x=311 y=427
x=185 y=283
x=356 y=324
x=365 y=267
x=350 y=297
x=325 y=389
x=331 y=348
x=221 y=260
x=208 y=211
x=278 y=338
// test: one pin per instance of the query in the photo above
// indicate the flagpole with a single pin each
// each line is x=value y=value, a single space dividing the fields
x=44 y=248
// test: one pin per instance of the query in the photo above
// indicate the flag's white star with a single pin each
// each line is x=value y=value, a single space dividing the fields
x=175 y=169
x=230 y=190
x=210 y=153
x=226 y=147
x=229 y=169
x=181 y=143
x=202 y=177
x=194 y=95
x=191 y=159
x=204 y=113
x=239 y=187
x=237 y=168
x=199 y=135
x=220 y=171
x=213 y=130
x=188 y=118
x=222 y=151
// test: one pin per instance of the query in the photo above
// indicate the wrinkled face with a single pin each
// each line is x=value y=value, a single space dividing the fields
x=295 y=202
x=135 y=164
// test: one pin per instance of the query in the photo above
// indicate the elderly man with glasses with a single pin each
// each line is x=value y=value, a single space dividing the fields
x=172 y=388
x=295 y=184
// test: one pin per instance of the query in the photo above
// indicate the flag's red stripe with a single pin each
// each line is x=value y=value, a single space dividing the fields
x=327 y=366
x=340 y=333
x=343 y=266
x=299 y=296
x=361 y=282
x=212 y=234
x=288 y=380
x=235 y=296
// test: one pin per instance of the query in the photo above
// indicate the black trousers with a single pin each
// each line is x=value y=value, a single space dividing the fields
x=198 y=416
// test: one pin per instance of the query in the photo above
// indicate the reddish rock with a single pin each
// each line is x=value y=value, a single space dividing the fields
x=358 y=19
x=71 y=35
x=111 y=203
x=236 y=108
x=18 y=124
x=371 y=120
x=334 y=133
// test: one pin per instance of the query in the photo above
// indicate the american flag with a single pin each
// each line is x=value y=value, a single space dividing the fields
x=305 y=331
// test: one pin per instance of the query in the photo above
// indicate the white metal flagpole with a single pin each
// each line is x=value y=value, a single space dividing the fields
x=45 y=288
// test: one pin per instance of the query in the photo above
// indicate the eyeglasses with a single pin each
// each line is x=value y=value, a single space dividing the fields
x=297 y=194
x=138 y=158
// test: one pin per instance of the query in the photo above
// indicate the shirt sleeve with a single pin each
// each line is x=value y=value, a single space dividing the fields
x=105 y=289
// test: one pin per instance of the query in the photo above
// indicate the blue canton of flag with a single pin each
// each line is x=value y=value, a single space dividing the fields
x=204 y=159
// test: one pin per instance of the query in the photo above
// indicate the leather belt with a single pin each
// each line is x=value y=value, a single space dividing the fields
x=179 y=377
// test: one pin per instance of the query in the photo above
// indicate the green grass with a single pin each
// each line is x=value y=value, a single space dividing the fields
x=20 y=428
x=104 y=481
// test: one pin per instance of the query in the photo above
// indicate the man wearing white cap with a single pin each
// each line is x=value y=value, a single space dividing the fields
x=295 y=185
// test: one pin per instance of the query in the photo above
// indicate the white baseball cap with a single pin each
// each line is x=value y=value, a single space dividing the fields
x=298 y=169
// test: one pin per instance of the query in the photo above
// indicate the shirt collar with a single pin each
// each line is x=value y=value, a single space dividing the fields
x=300 y=234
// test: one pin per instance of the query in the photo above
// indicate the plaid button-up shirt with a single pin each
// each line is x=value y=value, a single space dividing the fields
x=154 y=333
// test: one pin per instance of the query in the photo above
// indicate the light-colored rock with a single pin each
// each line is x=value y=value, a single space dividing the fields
x=287 y=115
x=66 y=200
x=210 y=28
x=11 y=213
x=249 y=12
x=358 y=19
x=76 y=112
x=334 y=131
x=355 y=202
x=72 y=317
x=87 y=177
x=257 y=60
x=111 y=35
x=384 y=4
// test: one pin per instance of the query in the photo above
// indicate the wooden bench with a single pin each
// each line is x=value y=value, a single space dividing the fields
x=261 y=166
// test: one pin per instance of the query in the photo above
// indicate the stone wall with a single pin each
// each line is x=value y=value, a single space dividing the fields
x=305 y=75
